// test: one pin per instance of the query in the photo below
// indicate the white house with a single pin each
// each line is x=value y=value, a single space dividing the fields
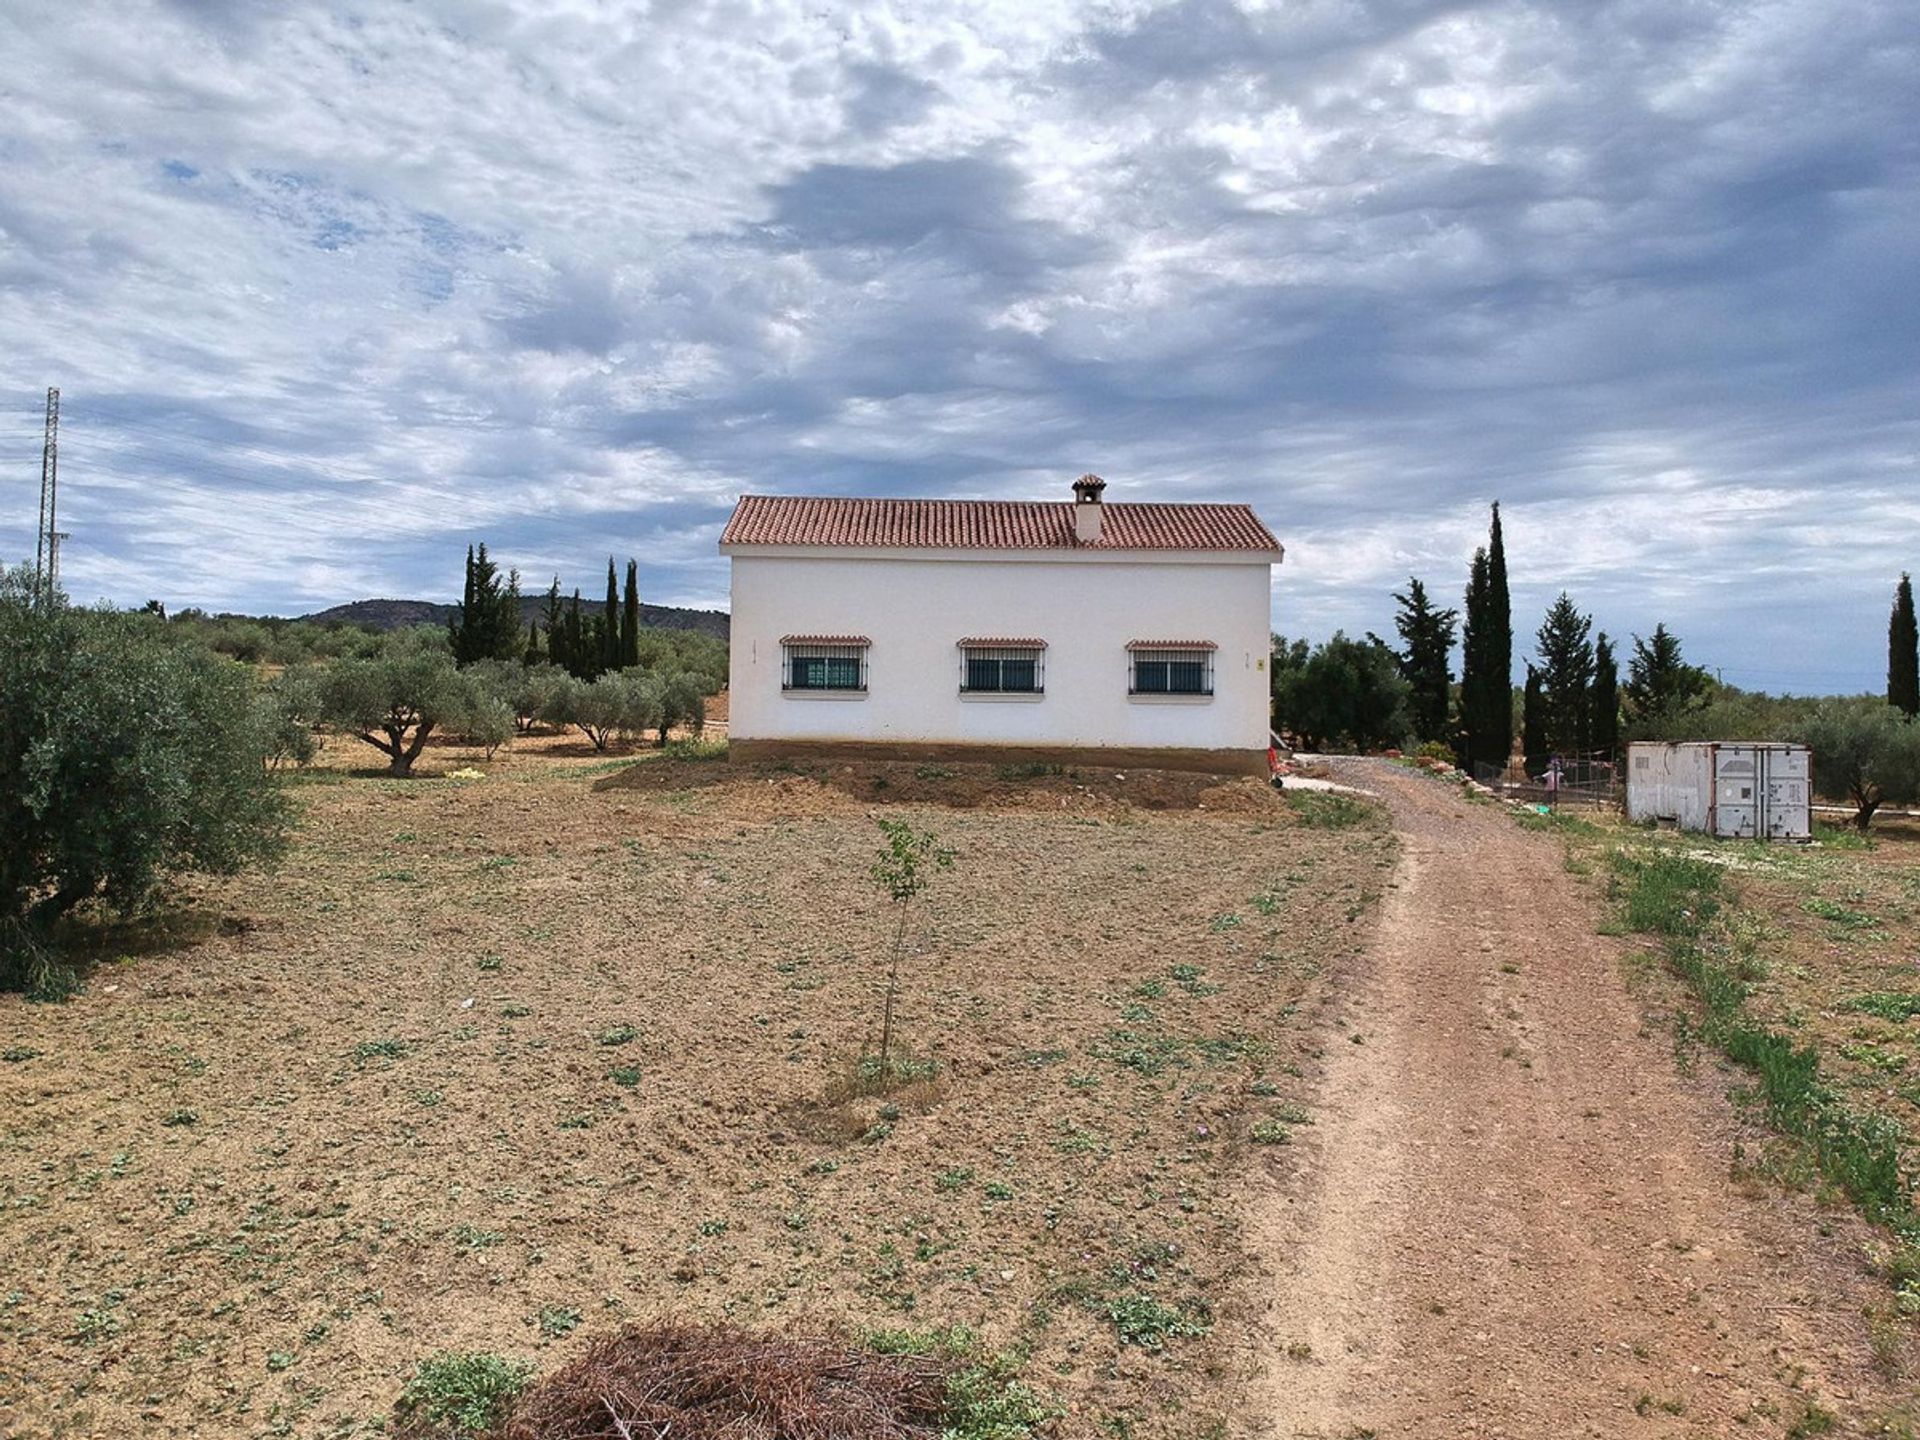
x=1069 y=631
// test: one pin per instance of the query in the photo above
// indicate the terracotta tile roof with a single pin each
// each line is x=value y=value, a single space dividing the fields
x=989 y=525
x=1000 y=642
x=825 y=640
x=1171 y=645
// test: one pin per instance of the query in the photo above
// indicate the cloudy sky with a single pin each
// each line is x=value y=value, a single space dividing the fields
x=330 y=291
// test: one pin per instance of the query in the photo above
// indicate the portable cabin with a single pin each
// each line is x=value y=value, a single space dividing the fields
x=1744 y=790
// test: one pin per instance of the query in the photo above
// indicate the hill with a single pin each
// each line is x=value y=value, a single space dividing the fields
x=398 y=614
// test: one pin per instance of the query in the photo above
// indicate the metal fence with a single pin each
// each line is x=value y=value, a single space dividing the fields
x=1583 y=782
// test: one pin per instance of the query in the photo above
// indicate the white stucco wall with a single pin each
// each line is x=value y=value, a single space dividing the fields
x=916 y=605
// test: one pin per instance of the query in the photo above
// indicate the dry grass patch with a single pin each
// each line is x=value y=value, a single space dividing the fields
x=412 y=1134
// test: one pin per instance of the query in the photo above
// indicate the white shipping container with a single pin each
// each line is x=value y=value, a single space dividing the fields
x=1741 y=790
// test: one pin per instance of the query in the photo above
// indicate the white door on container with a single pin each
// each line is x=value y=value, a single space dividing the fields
x=1736 y=790
x=1785 y=795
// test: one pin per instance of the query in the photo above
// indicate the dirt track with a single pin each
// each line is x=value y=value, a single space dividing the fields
x=1517 y=1216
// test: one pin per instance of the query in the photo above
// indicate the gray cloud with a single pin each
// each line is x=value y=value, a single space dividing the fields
x=330 y=295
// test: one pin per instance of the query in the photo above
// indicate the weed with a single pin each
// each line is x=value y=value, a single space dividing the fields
x=1325 y=810
x=1840 y=915
x=557 y=1321
x=932 y=772
x=489 y=962
x=998 y=1190
x=379 y=1050
x=463 y=1393
x=1813 y=1421
x=625 y=1076
x=951 y=1180
x=181 y=1116
x=619 y=1035
x=1147 y=1322
x=713 y=1227
x=1889 y=1005
x=1029 y=770
x=471 y=1238
x=16 y=1054
x=1270 y=1132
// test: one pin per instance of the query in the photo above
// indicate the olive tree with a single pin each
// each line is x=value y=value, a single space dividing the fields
x=1865 y=752
x=125 y=758
x=618 y=703
x=397 y=697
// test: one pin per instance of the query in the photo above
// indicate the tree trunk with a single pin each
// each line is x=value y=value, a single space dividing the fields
x=1867 y=797
x=893 y=986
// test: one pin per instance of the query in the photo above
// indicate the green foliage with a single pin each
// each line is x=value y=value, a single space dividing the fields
x=1680 y=898
x=1327 y=810
x=289 y=708
x=459 y=1393
x=1891 y=1005
x=486 y=623
x=623 y=703
x=903 y=870
x=125 y=759
x=1604 y=726
x=1865 y=751
x=630 y=617
x=1426 y=641
x=986 y=1399
x=1903 y=652
x=1566 y=679
x=1533 y=725
x=1486 y=665
x=1345 y=692
x=395 y=698
x=1148 y=1322
x=1662 y=688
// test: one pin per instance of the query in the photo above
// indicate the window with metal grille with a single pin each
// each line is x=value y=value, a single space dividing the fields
x=813 y=666
x=1171 y=672
x=1002 y=669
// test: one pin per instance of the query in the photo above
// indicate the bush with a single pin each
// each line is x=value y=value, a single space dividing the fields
x=124 y=759
x=1345 y=692
x=459 y=1394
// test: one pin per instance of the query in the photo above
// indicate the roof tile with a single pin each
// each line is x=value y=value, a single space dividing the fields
x=988 y=525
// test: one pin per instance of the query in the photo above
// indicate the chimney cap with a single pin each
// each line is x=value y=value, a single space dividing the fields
x=1087 y=489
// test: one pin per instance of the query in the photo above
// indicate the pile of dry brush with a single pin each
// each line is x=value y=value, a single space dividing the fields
x=691 y=1382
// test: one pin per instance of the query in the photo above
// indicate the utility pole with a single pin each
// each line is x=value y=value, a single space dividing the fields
x=46 y=543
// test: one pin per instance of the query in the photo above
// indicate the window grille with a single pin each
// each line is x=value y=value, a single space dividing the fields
x=1002 y=669
x=1171 y=672
x=806 y=665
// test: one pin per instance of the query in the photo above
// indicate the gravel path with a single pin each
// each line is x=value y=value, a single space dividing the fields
x=1515 y=1216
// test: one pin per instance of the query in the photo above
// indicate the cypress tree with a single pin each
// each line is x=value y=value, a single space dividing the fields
x=1903 y=651
x=1426 y=637
x=555 y=623
x=579 y=659
x=1486 y=671
x=1499 y=645
x=486 y=624
x=630 y=618
x=1606 y=699
x=1533 y=725
x=610 y=623
x=1473 y=667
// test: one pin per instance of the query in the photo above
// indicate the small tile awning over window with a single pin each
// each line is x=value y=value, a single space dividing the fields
x=1000 y=642
x=825 y=640
x=1171 y=645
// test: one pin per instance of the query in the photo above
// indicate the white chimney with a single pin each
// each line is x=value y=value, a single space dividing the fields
x=1086 y=509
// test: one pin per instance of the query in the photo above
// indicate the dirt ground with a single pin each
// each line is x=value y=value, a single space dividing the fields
x=1517 y=1216
x=502 y=1063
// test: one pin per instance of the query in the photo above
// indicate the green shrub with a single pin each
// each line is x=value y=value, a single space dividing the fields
x=459 y=1393
x=1148 y=1322
x=125 y=759
x=1327 y=810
